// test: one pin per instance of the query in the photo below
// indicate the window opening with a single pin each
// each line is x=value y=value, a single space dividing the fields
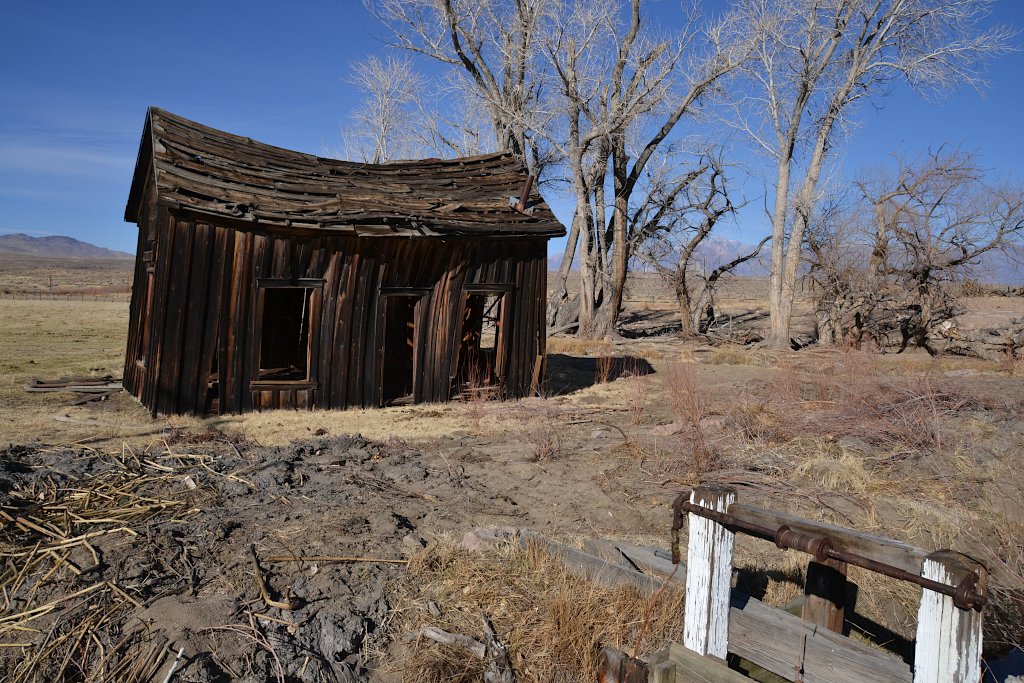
x=285 y=332
x=399 y=368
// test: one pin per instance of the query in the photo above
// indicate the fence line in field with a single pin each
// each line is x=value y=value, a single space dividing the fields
x=67 y=296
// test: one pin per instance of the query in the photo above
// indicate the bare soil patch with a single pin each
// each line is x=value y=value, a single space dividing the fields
x=174 y=532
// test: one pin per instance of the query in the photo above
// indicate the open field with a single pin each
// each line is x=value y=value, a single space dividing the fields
x=21 y=274
x=925 y=450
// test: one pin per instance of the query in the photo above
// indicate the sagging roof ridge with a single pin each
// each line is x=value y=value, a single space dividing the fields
x=215 y=173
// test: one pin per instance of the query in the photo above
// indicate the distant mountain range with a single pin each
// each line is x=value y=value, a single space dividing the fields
x=56 y=246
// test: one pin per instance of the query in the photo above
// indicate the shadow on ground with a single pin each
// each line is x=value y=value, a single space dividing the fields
x=568 y=374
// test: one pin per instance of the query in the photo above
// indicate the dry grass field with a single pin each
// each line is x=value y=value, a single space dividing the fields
x=925 y=450
x=21 y=274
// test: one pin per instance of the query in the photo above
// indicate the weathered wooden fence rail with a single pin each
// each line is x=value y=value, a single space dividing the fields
x=812 y=649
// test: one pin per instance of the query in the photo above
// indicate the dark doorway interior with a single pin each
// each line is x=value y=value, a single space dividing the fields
x=399 y=367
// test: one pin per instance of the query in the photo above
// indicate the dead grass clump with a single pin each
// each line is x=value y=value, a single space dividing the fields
x=840 y=470
x=551 y=620
x=730 y=354
x=572 y=346
x=754 y=422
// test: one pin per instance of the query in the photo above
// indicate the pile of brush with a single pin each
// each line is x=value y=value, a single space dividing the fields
x=62 y=620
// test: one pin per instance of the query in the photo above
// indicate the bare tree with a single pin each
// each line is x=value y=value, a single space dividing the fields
x=493 y=47
x=930 y=223
x=622 y=91
x=383 y=127
x=815 y=61
x=671 y=228
x=585 y=82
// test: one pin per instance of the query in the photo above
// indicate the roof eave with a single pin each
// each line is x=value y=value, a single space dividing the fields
x=143 y=166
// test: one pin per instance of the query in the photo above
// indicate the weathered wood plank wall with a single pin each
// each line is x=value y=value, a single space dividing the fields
x=205 y=308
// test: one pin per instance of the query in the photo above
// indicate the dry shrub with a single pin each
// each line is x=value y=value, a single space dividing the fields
x=691 y=406
x=636 y=399
x=551 y=620
x=604 y=369
x=1012 y=361
x=540 y=429
x=788 y=383
x=903 y=413
x=476 y=393
x=907 y=412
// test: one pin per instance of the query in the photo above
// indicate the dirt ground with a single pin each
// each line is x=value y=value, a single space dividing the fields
x=921 y=449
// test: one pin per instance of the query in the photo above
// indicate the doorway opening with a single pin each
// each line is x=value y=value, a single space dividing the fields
x=398 y=369
x=479 y=371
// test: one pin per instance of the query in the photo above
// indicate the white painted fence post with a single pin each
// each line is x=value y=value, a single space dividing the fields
x=948 y=646
x=708 y=575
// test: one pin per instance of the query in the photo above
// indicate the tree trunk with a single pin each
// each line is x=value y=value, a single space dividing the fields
x=560 y=291
x=778 y=336
x=620 y=213
x=804 y=205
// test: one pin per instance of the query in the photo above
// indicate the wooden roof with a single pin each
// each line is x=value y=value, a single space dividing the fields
x=213 y=173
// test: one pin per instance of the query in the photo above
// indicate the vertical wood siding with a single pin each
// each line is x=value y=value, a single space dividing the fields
x=204 y=311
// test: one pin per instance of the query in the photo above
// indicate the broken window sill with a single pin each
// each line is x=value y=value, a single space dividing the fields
x=270 y=384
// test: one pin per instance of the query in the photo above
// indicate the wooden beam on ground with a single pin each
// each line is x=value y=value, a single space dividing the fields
x=693 y=668
x=649 y=562
x=90 y=397
x=593 y=568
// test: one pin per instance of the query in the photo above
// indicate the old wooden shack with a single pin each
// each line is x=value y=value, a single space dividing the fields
x=268 y=278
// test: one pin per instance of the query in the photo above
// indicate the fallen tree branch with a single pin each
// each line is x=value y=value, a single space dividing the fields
x=332 y=558
x=439 y=635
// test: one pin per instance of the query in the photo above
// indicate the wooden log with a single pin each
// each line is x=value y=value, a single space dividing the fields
x=708 y=575
x=825 y=592
x=948 y=646
x=593 y=568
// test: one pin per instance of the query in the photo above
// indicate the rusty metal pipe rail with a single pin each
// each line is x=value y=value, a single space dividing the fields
x=965 y=595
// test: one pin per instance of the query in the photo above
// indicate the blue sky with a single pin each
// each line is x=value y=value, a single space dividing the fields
x=76 y=78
